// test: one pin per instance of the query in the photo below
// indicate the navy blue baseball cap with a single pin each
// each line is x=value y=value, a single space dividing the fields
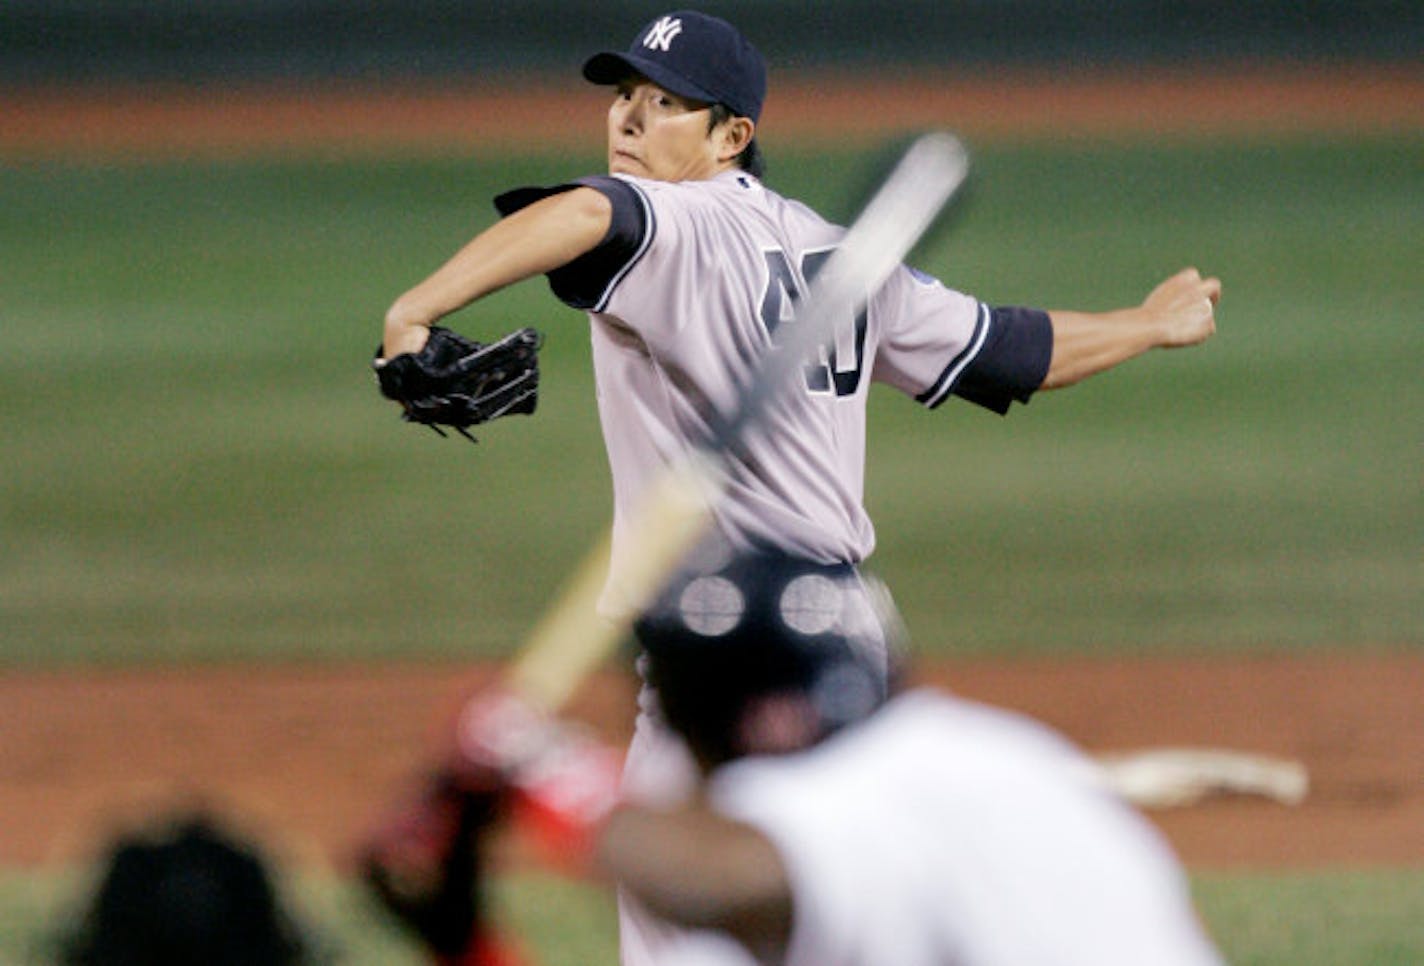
x=693 y=55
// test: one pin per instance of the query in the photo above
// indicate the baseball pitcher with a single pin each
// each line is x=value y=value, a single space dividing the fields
x=686 y=264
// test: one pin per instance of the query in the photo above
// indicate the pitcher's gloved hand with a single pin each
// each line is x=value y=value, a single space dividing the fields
x=458 y=382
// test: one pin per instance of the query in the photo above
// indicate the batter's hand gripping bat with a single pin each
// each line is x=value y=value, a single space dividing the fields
x=572 y=638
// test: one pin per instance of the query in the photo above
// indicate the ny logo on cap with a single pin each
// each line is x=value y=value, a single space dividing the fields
x=660 y=34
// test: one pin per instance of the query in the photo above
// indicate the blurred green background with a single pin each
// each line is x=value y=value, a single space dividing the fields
x=199 y=466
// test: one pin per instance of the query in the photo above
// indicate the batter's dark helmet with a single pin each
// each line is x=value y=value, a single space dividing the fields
x=767 y=653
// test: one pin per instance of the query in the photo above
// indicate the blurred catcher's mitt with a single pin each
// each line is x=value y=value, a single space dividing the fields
x=458 y=382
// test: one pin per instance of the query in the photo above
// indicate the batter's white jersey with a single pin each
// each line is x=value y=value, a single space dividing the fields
x=684 y=296
x=941 y=832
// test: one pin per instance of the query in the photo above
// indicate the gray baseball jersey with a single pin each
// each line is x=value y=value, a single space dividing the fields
x=944 y=831
x=685 y=294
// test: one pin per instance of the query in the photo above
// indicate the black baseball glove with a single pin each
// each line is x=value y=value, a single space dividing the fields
x=458 y=382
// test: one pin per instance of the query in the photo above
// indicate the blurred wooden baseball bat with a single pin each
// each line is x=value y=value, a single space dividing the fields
x=572 y=638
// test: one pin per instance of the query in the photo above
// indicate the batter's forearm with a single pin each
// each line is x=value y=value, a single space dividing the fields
x=699 y=869
x=533 y=241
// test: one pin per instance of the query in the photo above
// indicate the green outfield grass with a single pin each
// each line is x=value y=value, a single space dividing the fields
x=197 y=465
x=1285 y=919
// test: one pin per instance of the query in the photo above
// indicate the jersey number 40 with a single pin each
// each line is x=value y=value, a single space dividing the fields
x=839 y=365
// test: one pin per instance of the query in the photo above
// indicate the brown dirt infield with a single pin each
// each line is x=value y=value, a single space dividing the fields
x=43 y=123
x=307 y=753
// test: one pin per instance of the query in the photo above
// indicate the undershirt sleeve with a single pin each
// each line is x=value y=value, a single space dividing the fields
x=586 y=282
x=1012 y=363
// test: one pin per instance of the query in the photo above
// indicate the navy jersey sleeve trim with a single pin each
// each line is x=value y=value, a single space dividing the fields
x=511 y=201
x=940 y=391
x=588 y=281
x=1006 y=360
